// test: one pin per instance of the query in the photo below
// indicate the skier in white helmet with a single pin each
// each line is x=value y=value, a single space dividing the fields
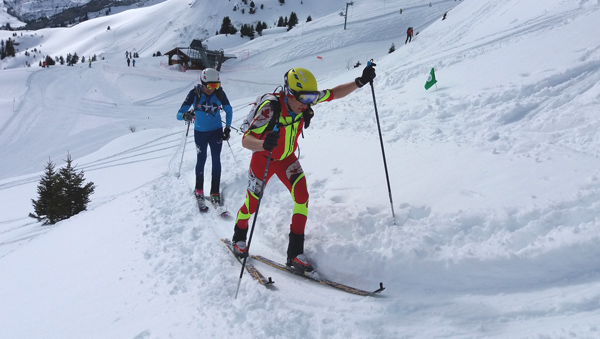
x=203 y=104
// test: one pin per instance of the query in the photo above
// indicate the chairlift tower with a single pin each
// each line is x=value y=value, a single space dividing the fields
x=346 y=12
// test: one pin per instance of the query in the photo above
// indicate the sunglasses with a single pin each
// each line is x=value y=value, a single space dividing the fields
x=212 y=85
x=307 y=98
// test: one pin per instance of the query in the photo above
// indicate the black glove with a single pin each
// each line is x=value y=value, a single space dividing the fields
x=307 y=114
x=188 y=116
x=226 y=132
x=368 y=75
x=270 y=141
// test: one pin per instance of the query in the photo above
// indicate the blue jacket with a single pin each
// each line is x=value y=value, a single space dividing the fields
x=207 y=109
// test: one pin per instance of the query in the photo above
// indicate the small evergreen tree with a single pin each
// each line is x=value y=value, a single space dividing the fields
x=49 y=61
x=309 y=19
x=47 y=207
x=247 y=30
x=10 y=48
x=74 y=194
x=227 y=27
x=260 y=27
x=61 y=194
x=392 y=48
x=293 y=21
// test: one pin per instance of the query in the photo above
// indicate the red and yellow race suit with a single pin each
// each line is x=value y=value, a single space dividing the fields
x=284 y=162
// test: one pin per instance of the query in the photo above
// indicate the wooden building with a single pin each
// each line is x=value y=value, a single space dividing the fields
x=196 y=56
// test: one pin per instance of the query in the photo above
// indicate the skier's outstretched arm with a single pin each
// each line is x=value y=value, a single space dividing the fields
x=367 y=76
x=342 y=90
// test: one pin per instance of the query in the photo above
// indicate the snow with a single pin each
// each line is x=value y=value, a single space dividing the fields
x=6 y=18
x=494 y=174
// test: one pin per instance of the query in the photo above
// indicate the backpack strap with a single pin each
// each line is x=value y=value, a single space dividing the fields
x=198 y=92
x=276 y=109
x=220 y=93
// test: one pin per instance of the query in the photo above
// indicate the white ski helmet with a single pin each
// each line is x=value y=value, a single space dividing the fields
x=209 y=75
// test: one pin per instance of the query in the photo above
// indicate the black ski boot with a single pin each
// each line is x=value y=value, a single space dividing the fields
x=239 y=242
x=295 y=255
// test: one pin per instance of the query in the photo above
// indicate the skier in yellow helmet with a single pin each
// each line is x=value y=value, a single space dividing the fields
x=275 y=129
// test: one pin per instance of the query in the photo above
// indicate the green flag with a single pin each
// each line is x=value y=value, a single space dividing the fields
x=431 y=80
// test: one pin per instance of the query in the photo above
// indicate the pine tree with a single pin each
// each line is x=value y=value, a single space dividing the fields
x=10 y=48
x=74 y=195
x=227 y=27
x=392 y=48
x=61 y=194
x=293 y=21
x=260 y=27
x=247 y=30
x=49 y=61
x=47 y=207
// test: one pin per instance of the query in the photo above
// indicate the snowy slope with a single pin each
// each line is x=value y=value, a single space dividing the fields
x=494 y=177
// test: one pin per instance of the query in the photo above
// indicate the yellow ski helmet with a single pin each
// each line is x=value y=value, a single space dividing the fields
x=300 y=80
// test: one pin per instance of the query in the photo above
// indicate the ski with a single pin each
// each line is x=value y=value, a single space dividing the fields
x=249 y=267
x=315 y=277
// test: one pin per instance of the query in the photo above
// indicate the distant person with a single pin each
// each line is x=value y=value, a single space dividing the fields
x=206 y=100
x=400 y=10
x=128 y=61
x=90 y=63
x=444 y=17
x=133 y=62
x=409 y=34
x=274 y=132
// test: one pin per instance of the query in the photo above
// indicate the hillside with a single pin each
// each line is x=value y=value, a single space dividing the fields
x=493 y=177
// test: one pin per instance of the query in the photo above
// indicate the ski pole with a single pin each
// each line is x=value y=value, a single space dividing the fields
x=255 y=217
x=183 y=152
x=232 y=154
x=233 y=128
x=382 y=150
